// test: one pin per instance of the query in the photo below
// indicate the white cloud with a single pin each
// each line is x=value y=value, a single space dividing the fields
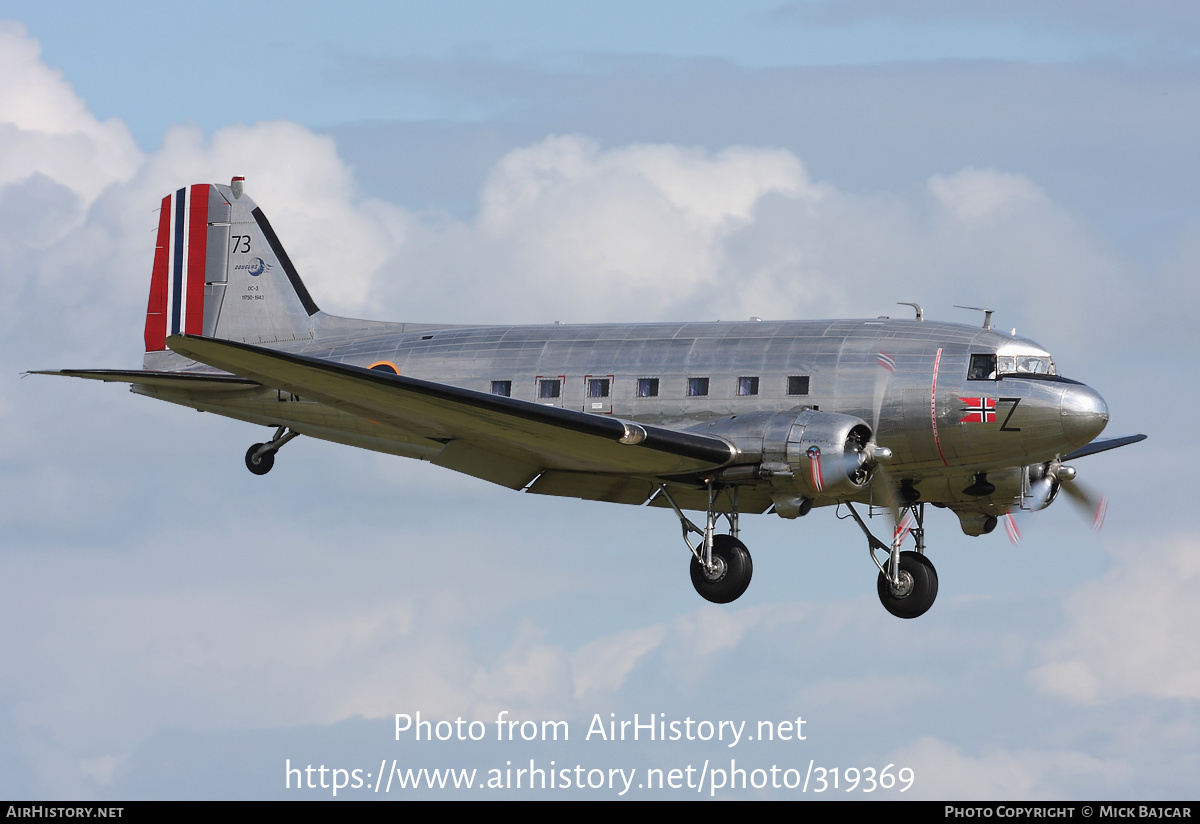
x=975 y=194
x=46 y=129
x=1132 y=632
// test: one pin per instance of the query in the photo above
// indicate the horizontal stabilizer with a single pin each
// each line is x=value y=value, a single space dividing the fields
x=143 y=377
x=1103 y=445
x=546 y=436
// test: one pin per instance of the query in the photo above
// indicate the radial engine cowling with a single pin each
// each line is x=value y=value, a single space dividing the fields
x=826 y=452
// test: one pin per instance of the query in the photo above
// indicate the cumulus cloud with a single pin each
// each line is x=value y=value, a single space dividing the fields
x=1130 y=633
x=565 y=230
x=569 y=231
x=47 y=130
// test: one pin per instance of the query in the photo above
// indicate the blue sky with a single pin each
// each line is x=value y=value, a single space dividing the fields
x=180 y=628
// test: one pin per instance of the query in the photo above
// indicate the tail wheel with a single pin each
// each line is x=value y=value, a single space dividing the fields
x=916 y=591
x=730 y=573
x=261 y=464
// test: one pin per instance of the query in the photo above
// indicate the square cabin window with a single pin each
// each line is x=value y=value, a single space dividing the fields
x=697 y=387
x=598 y=387
x=798 y=384
x=549 y=388
x=748 y=386
x=502 y=388
x=647 y=388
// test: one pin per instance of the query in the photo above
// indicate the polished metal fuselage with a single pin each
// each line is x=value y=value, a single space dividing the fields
x=923 y=396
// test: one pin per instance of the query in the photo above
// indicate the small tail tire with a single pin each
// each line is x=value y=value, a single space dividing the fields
x=263 y=463
x=731 y=573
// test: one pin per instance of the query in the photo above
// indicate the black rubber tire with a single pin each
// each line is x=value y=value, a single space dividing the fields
x=261 y=465
x=924 y=590
x=733 y=578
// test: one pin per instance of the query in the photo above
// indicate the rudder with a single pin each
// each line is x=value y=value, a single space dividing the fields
x=220 y=271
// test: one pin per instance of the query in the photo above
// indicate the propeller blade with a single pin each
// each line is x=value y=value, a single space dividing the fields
x=1012 y=527
x=886 y=487
x=883 y=378
x=1094 y=506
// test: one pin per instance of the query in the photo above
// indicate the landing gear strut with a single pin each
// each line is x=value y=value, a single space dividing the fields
x=908 y=582
x=261 y=456
x=721 y=565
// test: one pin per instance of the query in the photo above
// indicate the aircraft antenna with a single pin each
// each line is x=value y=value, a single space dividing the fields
x=917 y=306
x=987 y=314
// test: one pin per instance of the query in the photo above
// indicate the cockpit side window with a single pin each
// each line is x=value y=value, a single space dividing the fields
x=983 y=368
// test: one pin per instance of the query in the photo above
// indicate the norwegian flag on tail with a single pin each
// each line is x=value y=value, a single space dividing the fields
x=187 y=256
x=978 y=410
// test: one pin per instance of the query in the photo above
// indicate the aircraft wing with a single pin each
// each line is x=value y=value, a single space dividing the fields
x=501 y=439
x=1103 y=445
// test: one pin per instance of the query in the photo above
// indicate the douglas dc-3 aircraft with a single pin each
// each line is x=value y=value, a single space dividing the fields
x=718 y=418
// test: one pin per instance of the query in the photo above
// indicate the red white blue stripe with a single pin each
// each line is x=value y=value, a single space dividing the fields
x=177 y=280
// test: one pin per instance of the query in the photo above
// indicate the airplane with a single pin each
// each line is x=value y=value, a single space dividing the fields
x=718 y=418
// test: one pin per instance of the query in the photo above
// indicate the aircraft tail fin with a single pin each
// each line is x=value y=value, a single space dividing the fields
x=221 y=272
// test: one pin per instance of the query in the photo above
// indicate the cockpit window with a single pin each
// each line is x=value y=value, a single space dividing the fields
x=1027 y=365
x=983 y=368
x=994 y=367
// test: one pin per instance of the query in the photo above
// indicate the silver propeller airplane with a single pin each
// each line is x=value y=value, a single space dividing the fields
x=716 y=418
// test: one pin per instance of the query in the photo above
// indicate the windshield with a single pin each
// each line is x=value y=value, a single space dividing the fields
x=1026 y=365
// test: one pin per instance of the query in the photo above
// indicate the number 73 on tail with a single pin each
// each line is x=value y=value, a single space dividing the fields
x=708 y=420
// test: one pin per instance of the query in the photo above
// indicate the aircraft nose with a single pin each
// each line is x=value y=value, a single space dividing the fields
x=1084 y=414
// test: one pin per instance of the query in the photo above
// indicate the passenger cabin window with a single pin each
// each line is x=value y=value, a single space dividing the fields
x=748 y=386
x=502 y=388
x=983 y=368
x=549 y=388
x=697 y=387
x=647 y=387
x=598 y=387
x=798 y=384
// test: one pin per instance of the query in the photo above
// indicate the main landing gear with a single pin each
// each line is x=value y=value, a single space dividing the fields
x=261 y=456
x=721 y=565
x=908 y=582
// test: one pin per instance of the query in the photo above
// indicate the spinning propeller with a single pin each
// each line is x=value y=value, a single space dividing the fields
x=1045 y=481
x=876 y=455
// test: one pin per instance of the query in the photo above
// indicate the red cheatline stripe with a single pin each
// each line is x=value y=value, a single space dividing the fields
x=156 y=310
x=197 y=246
x=933 y=407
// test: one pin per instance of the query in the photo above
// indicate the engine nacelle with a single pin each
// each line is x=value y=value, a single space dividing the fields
x=824 y=451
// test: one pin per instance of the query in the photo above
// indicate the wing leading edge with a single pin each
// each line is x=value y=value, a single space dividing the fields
x=501 y=439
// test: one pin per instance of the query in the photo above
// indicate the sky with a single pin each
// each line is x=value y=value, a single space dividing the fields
x=179 y=628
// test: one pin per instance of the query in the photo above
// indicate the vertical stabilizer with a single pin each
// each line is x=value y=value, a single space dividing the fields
x=221 y=272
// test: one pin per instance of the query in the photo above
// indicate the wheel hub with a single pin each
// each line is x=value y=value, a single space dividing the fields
x=718 y=569
x=905 y=586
